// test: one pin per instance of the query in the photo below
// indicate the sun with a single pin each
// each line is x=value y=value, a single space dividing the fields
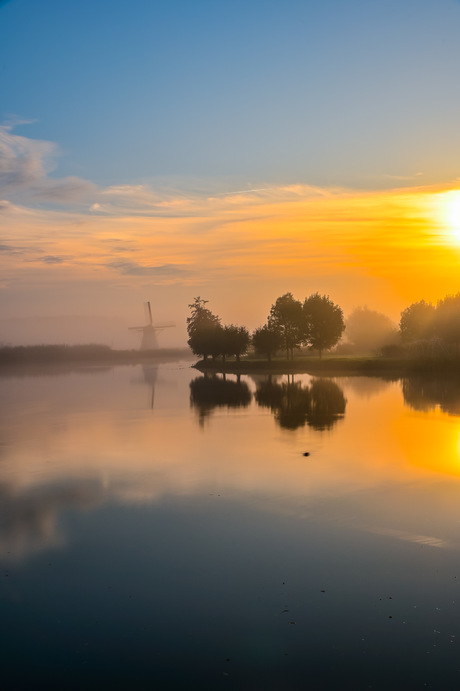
x=449 y=213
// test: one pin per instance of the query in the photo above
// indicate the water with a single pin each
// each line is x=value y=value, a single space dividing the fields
x=159 y=529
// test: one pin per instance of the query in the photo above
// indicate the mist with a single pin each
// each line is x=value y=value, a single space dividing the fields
x=78 y=330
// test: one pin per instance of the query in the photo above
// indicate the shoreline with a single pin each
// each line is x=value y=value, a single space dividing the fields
x=333 y=367
x=88 y=355
x=93 y=355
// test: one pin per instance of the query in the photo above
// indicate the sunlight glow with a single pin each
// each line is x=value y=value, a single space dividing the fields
x=450 y=213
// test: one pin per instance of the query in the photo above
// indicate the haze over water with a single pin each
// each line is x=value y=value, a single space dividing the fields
x=160 y=528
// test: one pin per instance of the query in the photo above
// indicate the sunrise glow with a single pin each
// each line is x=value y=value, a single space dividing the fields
x=450 y=211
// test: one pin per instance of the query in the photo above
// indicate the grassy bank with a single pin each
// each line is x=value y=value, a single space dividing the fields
x=332 y=366
x=97 y=354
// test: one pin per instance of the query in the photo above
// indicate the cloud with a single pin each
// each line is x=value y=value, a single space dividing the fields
x=69 y=189
x=25 y=165
x=133 y=269
x=402 y=177
x=146 y=201
x=52 y=259
x=12 y=249
x=23 y=162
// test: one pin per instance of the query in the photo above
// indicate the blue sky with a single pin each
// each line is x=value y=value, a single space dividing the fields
x=336 y=92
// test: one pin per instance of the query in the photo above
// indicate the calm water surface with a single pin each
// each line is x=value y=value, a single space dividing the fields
x=161 y=530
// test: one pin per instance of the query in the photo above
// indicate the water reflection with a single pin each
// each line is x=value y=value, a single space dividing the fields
x=425 y=393
x=366 y=387
x=319 y=405
x=210 y=392
x=87 y=438
x=182 y=553
x=29 y=518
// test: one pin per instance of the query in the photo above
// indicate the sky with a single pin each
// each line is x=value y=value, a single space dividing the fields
x=165 y=149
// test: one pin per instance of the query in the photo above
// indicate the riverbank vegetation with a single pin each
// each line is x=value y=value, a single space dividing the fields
x=100 y=354
x=296 y=335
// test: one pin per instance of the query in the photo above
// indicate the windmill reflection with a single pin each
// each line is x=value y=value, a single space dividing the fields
x=210 y=392
x=424 y=393
x=319 y=405
x=150 y=377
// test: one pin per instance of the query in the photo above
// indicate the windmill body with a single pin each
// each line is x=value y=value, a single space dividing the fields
x=149 y=332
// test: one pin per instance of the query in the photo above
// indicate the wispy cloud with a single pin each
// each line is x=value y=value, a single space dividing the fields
x=402 y=177
x=23 y=162
x=14 y=249
x=164 y=235
x=52 y=259
x=25 y=167
x=133 y=269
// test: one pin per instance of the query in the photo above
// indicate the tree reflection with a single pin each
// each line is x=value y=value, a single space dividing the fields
x=327 y=404
x=424 y=393
x=319 y=405
x=209 y=392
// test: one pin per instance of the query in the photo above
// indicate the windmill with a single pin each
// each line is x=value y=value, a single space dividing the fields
x=150 y=330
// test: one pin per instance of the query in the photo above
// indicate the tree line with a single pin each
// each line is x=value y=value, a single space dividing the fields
x=425 y=321
x=317 y=323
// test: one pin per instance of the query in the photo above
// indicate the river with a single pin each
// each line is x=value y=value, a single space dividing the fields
x=163 y=529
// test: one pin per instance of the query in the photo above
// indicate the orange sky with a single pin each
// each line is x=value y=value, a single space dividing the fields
x=240 y=251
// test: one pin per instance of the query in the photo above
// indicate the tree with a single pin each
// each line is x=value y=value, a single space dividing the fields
x=368 y=330
x=267 y=340
x=235 y=341
x=203 y=328
x=417 y=321
x=286 y=317
x=447 y=319
x=324 y=322
x=216 y=341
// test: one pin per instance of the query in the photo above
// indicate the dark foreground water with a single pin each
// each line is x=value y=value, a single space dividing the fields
x=163 y=530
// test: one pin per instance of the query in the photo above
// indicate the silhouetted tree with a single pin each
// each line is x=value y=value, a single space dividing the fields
x=417 y=321
x=236 y=341
x=217 y=344
x=447 y=319
x=368 y=330
x=324 y=322
x=204 y=329
x=286 y=317
x=267 y=340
